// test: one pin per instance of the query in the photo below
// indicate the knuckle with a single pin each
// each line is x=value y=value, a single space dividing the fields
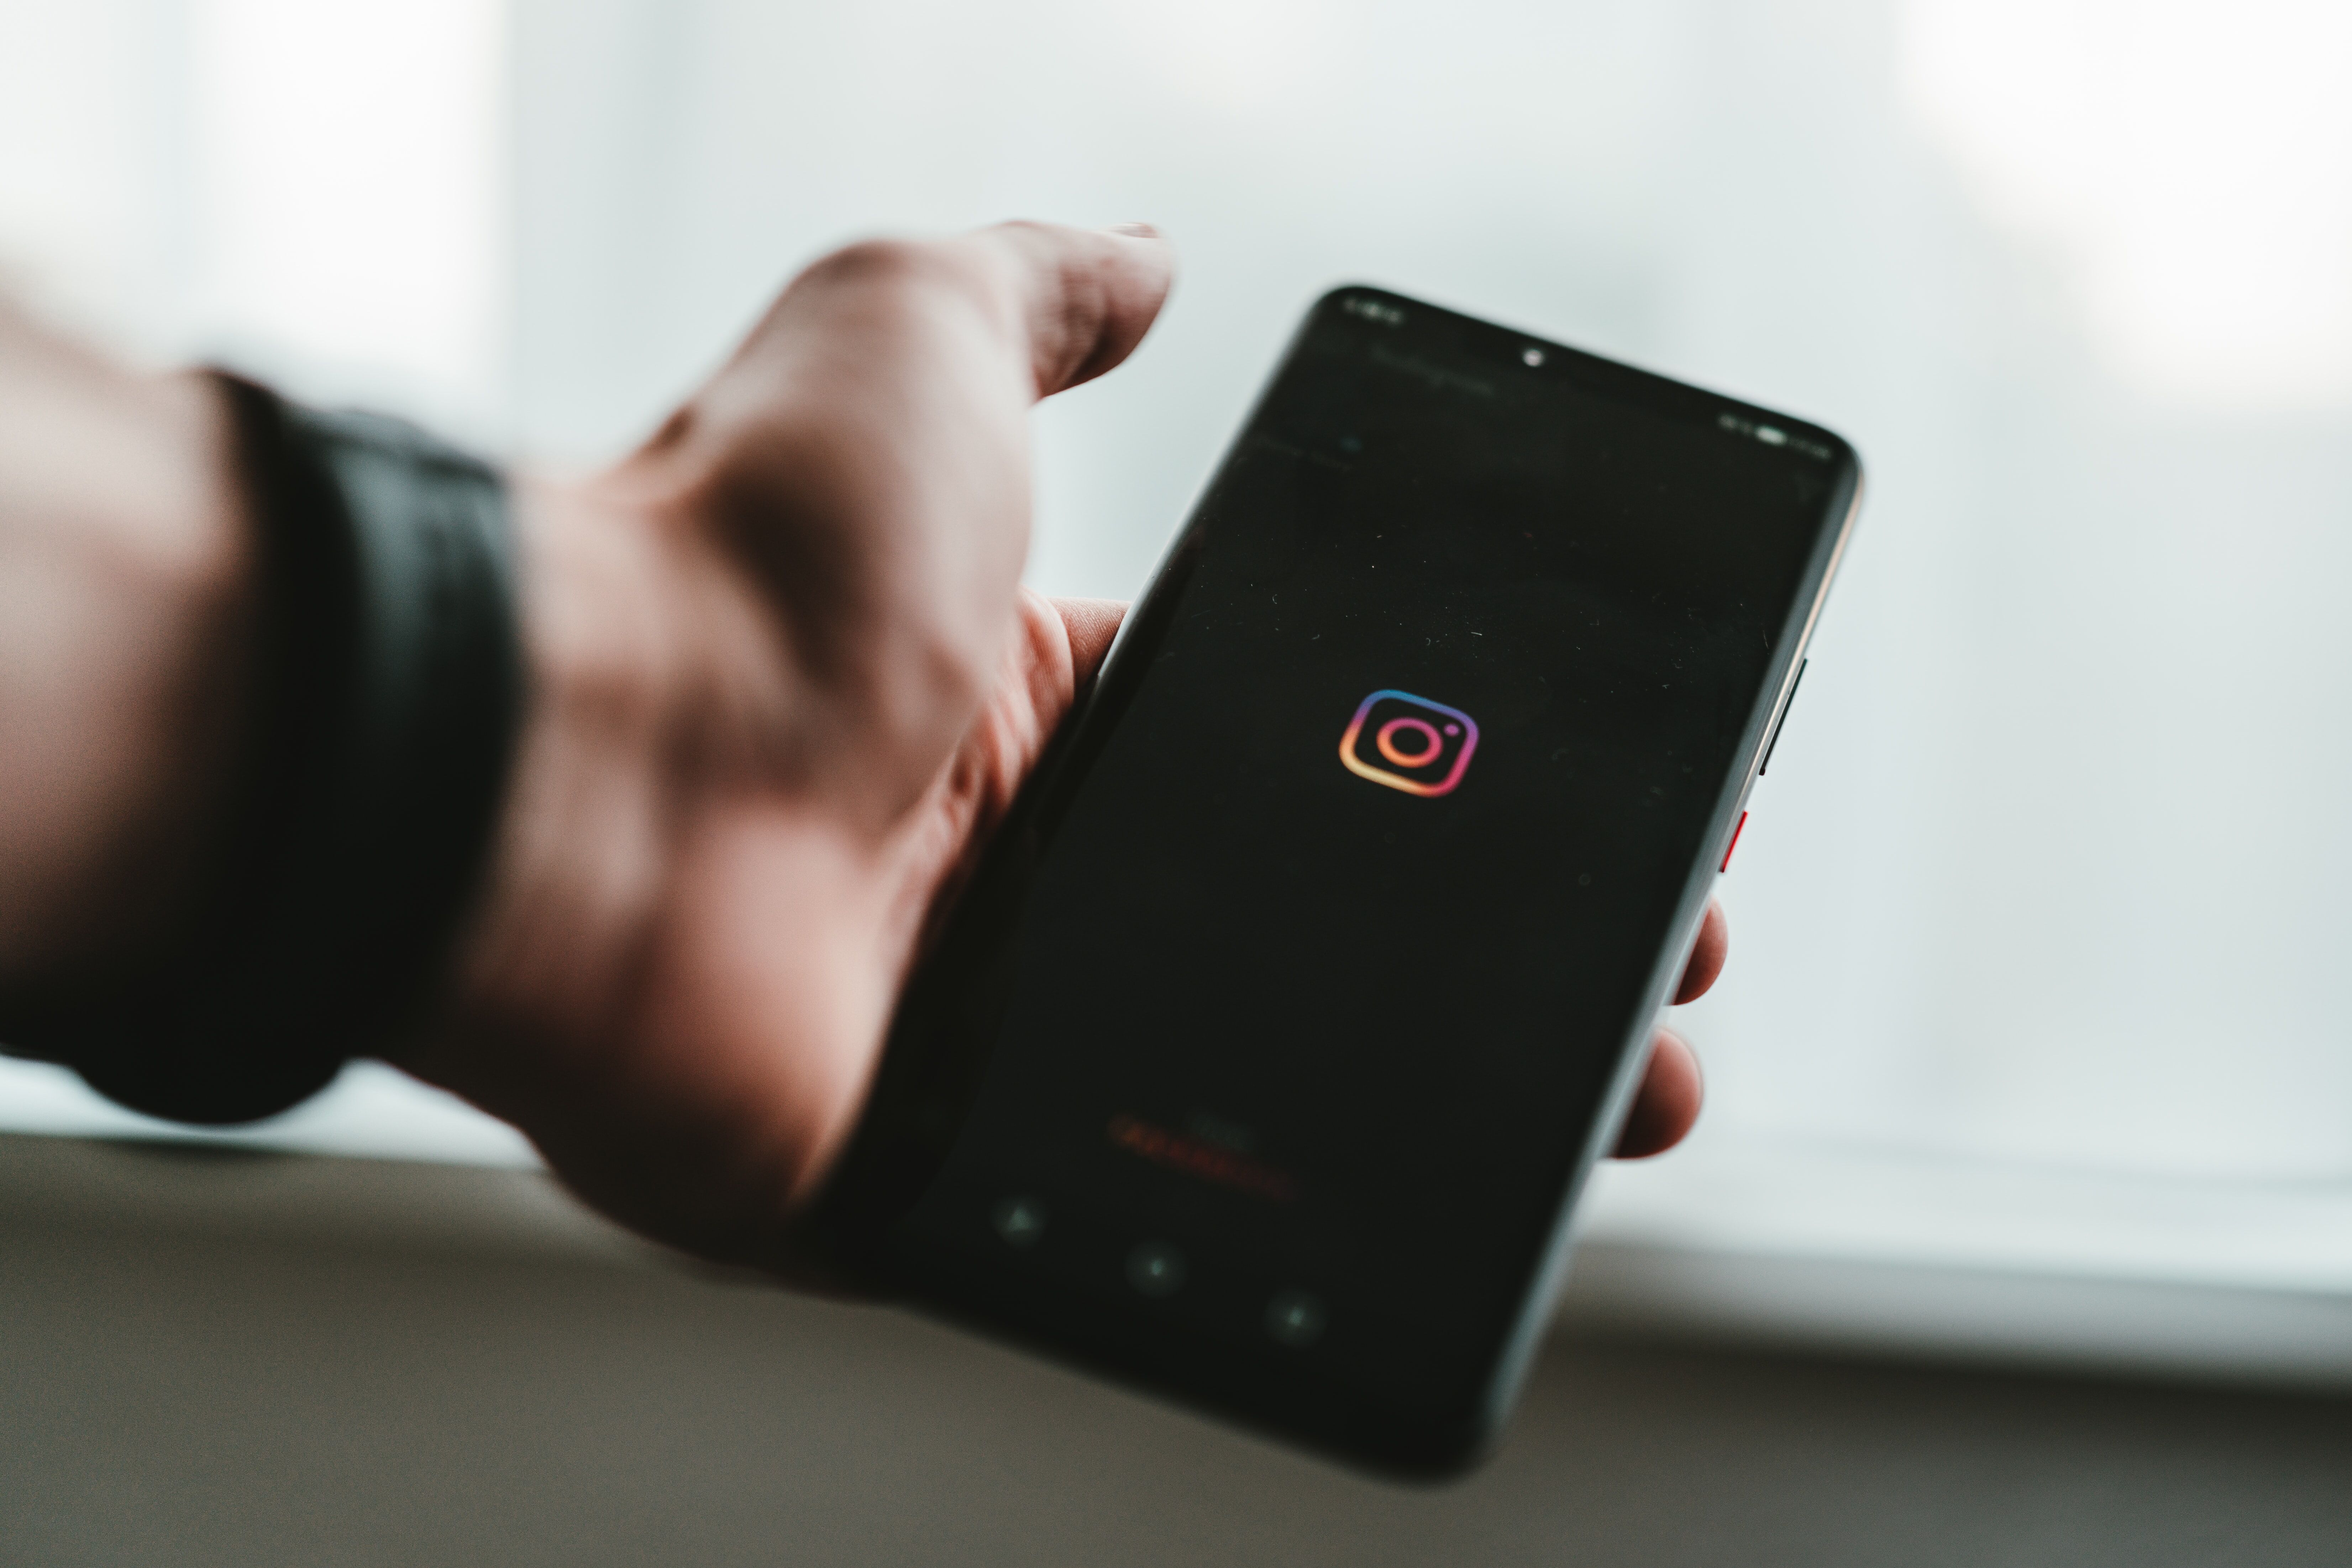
x=898 y=272
x=1059 y=283
x=866 y=261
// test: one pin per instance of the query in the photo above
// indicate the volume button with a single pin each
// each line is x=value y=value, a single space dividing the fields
x=1773 y=744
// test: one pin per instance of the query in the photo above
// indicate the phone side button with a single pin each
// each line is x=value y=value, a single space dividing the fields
x=1773 y=744
x=1736 y=832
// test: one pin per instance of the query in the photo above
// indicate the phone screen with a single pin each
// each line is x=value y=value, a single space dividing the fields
x=1277 y=1033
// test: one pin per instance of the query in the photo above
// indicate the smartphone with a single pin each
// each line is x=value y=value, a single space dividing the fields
x=1262 y=1059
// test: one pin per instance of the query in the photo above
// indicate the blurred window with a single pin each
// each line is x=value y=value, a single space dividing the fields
x=2035 y=924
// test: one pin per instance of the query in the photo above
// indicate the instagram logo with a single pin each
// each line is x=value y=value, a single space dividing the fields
x=1409 y=743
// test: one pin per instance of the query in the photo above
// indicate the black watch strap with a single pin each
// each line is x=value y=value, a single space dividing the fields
x=391 y=692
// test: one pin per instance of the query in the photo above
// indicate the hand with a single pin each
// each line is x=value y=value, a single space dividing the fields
x=785 y=682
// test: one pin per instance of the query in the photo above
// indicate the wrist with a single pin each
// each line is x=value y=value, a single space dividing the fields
x=127 y=563
x=581 y=852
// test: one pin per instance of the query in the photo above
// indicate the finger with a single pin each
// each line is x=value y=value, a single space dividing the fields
x=1666 y=1106
x=1091 y=624
x=1085 y=297
x=1708 y=955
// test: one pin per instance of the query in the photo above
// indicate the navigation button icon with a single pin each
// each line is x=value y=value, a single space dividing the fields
x=1156 y=1269
x=1019 y=1220
x=1294 y=1317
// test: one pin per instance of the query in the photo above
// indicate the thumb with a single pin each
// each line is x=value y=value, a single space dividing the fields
x=1085 y=297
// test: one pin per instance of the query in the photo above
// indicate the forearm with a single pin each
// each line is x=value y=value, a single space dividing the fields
x=126 y=618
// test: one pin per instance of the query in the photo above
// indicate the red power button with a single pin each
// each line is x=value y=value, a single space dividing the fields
x=1733 y=845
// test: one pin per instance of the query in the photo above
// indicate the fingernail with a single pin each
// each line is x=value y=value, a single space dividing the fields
x=1135 y=231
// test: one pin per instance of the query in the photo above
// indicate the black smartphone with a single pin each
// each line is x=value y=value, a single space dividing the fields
x=1263 y=1058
